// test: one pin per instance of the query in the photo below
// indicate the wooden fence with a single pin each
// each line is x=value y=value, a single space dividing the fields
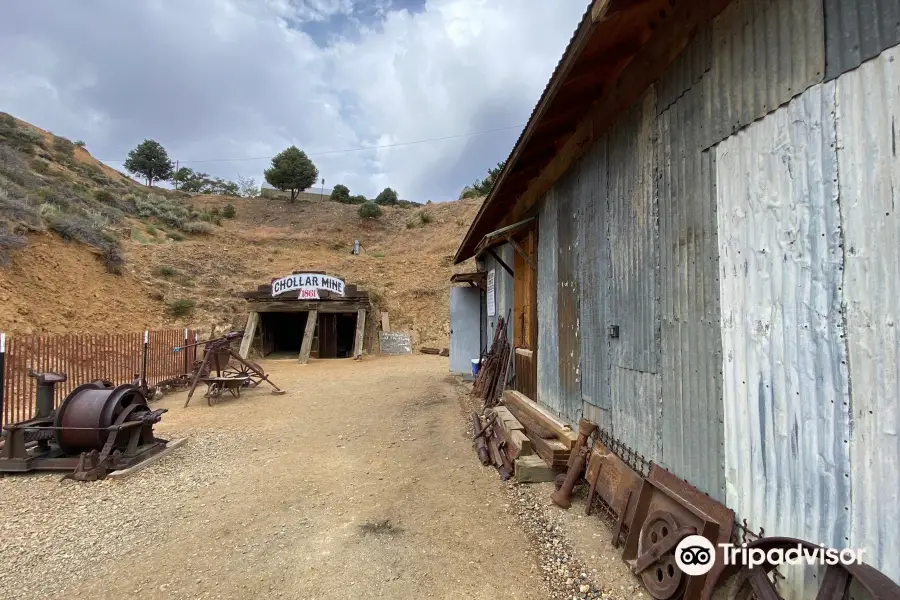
x=118 y=358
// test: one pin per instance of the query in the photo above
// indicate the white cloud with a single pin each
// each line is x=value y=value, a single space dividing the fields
x=213 y=79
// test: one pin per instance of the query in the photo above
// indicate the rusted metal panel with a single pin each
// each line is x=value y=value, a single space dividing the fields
x=593 y=266
x=858 y=31
x=547 y=305
x=785 y=382
x=765 y=52
x=632 y=234
x=691 y=365
x=85 y=358
x=868 y=112
x=570 y=190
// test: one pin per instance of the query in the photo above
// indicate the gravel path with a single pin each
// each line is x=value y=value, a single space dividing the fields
x=359 y=482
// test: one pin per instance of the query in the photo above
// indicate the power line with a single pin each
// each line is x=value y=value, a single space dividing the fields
x=348 y=150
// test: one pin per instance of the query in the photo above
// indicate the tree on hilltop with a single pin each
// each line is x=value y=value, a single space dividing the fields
x=150 y=161
x=341 y=193
x=292 y=171
x=387 y=197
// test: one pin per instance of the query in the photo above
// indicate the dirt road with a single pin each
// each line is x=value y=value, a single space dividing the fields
x=360 y=482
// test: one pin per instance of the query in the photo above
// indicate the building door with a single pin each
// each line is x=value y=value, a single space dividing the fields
x=465 y=328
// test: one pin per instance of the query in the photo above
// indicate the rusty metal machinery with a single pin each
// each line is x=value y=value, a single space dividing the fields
x=746 y=582
x=96 y=429
x=218 y=355
x=667 y=510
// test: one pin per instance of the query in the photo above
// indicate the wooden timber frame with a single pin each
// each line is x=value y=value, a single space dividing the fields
x=354 y=302
x=522 y=237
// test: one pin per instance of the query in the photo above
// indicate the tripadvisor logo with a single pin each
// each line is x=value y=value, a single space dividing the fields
x=695 y=555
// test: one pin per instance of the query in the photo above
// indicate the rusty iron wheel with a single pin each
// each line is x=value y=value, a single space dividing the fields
x=663 y=579
x=835 y=583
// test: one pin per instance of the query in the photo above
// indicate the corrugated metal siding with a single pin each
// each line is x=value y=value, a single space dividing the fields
x=632 y=231
x=691 y=358
x=568 y=200
x=858 y=31
x=636 y=410
x=687 y=69
x=786 y=381
x=547 y=305
x=592 y=273
x=868 y=118
x=765 y=52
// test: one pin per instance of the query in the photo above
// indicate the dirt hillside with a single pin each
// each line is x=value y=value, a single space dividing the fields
x=176 y=249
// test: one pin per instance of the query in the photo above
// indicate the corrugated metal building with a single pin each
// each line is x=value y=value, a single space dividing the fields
x=711 y=194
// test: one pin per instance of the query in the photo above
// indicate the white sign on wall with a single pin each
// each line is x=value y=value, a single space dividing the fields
x=491 y=310
x=307 y=285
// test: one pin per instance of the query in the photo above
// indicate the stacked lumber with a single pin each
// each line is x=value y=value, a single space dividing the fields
x=435 y=351
x=491 y=379
x=551 y=438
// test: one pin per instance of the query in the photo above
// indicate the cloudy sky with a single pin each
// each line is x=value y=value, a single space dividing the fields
x=216 y=80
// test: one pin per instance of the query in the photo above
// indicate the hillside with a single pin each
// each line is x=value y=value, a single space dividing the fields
x=167 y=248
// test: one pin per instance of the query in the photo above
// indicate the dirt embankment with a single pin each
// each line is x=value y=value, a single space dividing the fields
x=57 y=286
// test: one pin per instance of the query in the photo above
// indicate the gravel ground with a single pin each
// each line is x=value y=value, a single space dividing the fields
x=360 y=482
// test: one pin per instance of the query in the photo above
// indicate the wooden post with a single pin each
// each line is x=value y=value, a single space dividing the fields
x=306 y=345
x=249 y=334
x=385 y=323
x=360 y=332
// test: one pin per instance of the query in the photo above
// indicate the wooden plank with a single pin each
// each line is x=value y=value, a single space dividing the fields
x=360 y=333
x=385 y=323
x=554 y=452
x=309 y=331
x=541 y=416
x=325 y=306
x=249 y=333
x=531 y=469
x=507 y=419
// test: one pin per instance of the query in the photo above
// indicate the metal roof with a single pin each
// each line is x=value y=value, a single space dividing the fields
x=614 y=38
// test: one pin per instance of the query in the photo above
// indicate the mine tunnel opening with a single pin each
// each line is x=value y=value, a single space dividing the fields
x=282 y=332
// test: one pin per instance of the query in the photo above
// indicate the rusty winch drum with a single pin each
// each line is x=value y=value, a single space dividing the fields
x=90 y=409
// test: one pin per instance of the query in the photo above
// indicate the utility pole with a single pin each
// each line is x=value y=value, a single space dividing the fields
x=323 y=188
x=176 y=172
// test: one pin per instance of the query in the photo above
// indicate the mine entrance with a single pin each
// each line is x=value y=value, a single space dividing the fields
x=282 y=332
x=336 y=335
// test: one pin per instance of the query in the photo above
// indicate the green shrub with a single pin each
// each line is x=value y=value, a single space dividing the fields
x=369 y=210
x=150 y=229
x=80 y=144
x=167 y=271
x=113 y=257
x=182 y=307
x=378 y=254
x=9 y=242
x=64 y=148
x=426 y=217
x=340 y=193
x=411 y=224
x=198 y=227
x=229 y=211
x=357 y=199
x=174 y=235
x=104 y=196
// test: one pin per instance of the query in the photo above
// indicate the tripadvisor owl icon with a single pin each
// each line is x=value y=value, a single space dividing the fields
x=695 y=555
